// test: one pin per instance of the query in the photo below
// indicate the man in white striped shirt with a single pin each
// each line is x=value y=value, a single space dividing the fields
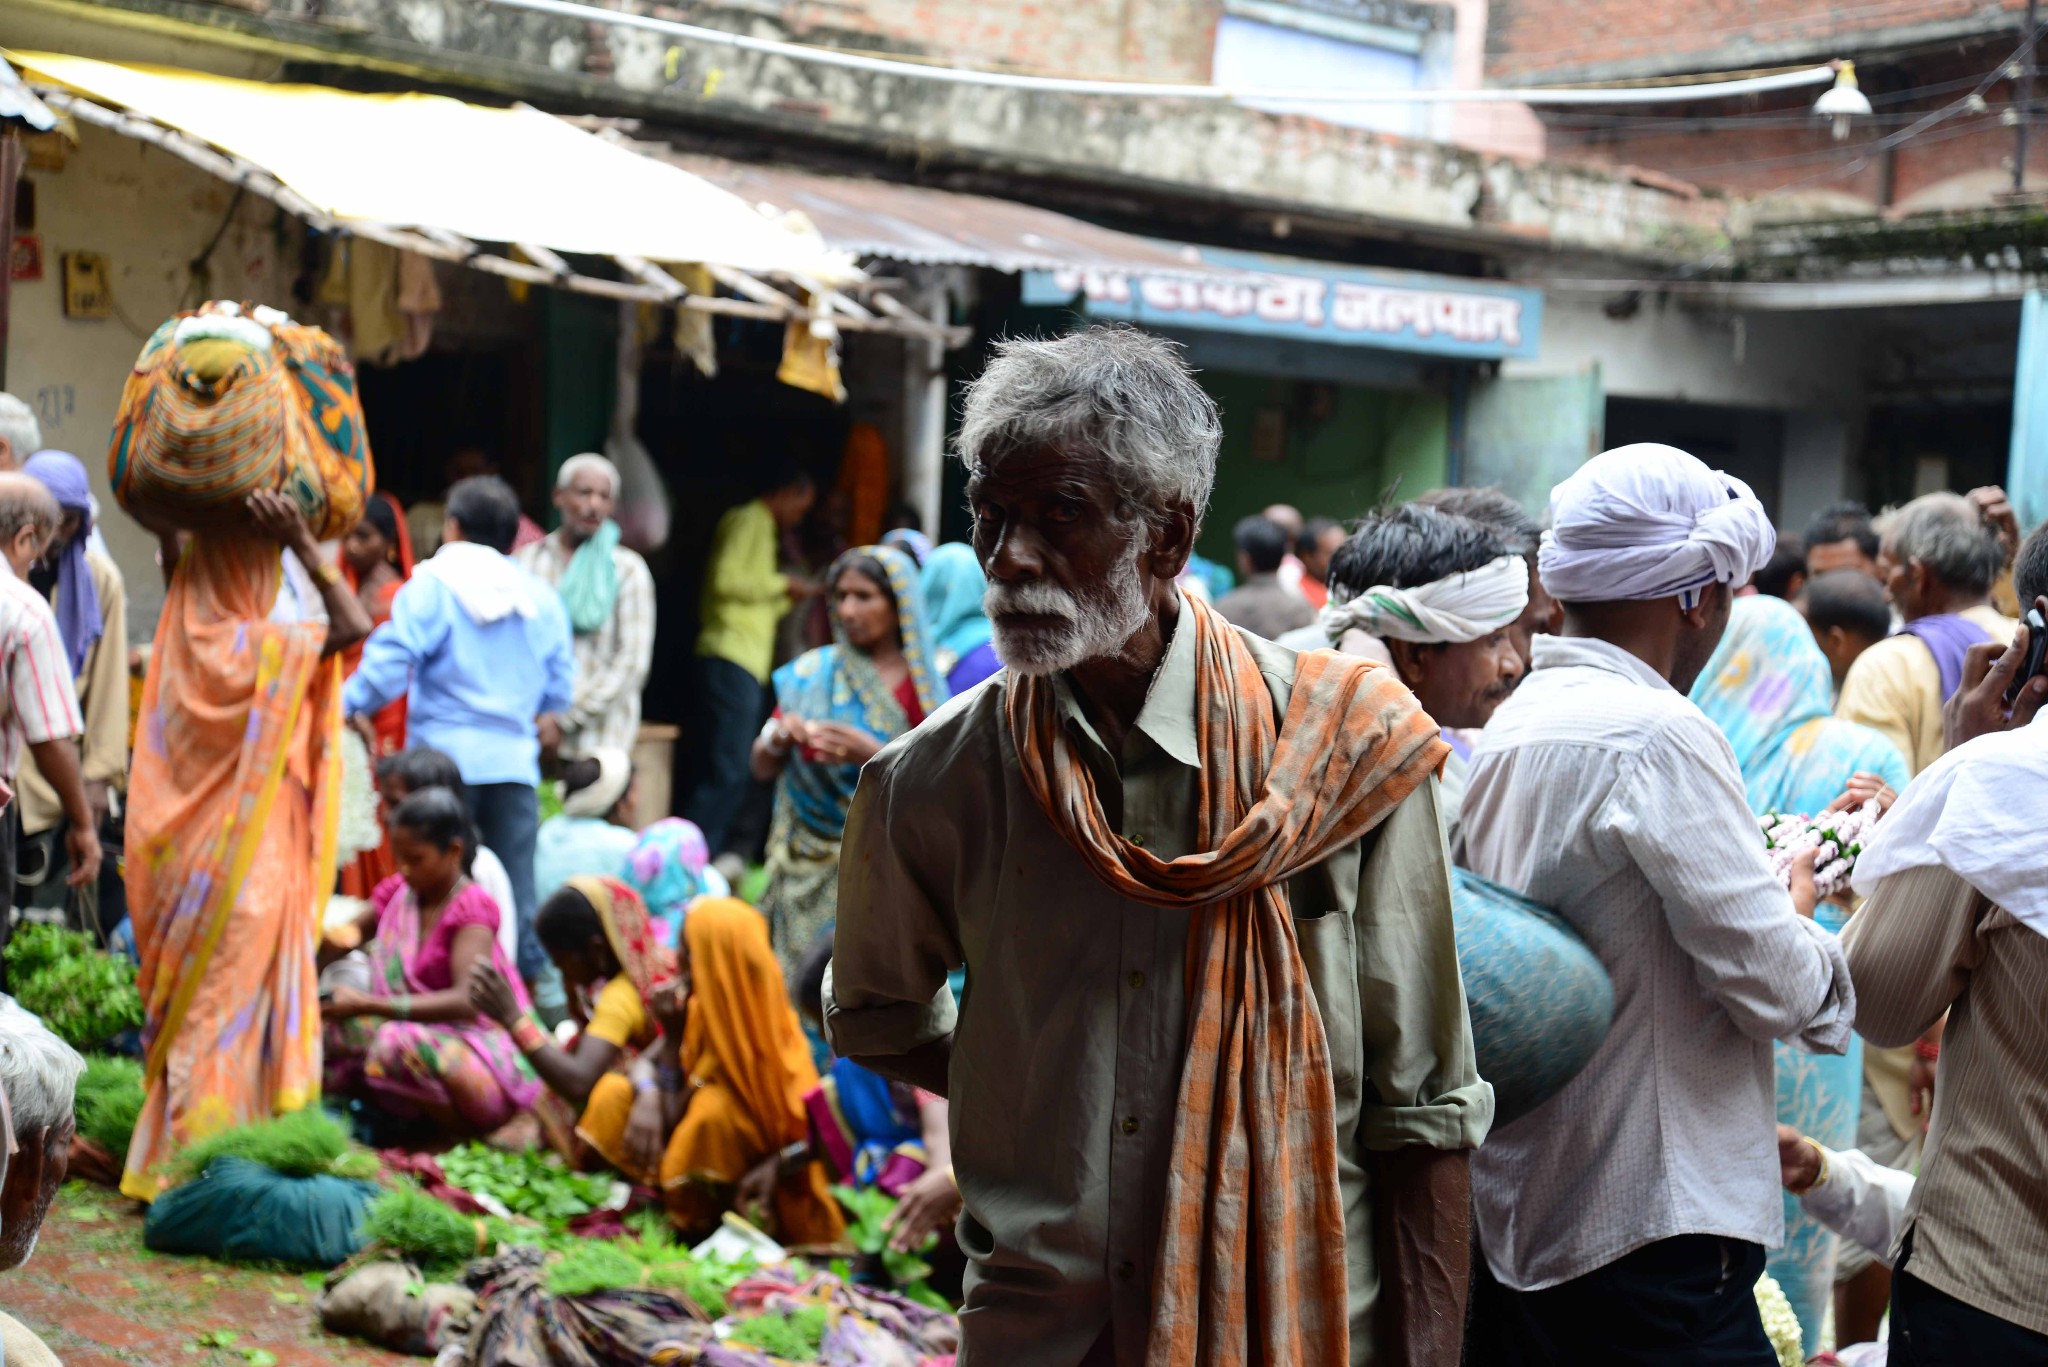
x=38 y=702
x=1626 y=1218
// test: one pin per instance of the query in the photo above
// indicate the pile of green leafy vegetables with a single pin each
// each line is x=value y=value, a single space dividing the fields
x=534 y=1185
x=109 y=1102
x=85 y=995
x=304 y=1143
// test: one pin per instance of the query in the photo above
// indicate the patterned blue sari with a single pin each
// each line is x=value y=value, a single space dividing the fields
x=1769 y=689
x=836 y=683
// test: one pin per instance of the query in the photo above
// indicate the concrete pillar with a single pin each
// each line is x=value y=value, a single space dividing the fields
x=924 y=412
x=1815 y=467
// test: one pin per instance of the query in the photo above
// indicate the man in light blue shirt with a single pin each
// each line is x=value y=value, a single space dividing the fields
x=483 y=654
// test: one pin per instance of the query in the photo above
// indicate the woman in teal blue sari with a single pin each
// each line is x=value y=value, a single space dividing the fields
x=961 y=634
x=1769 y=689
x=835 y=708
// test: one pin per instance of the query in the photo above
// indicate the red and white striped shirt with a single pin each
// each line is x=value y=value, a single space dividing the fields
x=38 y=700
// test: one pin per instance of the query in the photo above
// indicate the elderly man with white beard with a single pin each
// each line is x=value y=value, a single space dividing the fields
x=1212 y=1082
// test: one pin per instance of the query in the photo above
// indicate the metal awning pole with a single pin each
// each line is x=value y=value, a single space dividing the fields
x=12 y=154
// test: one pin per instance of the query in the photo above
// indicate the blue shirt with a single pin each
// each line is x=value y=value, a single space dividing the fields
x=474 y=689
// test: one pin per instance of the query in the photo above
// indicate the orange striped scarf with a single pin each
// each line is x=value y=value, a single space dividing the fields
x=1251 y=1252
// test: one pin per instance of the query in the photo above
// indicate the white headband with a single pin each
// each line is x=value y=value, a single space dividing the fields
x=1457 y=608
x=614 y=775
x=589 y=460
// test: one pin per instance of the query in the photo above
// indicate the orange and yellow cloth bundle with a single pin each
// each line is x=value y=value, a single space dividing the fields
x=232 y=398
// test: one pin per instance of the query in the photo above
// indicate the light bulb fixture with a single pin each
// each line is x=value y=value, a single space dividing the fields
x=1842 y=101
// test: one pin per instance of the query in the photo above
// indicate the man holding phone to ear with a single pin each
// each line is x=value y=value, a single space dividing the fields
x=1957 y=923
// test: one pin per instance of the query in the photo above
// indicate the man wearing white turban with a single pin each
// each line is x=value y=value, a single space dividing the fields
x=1626 y=1218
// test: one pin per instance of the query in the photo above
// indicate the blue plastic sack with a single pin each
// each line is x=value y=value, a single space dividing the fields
x=239 y=1211
x=1540 y=1000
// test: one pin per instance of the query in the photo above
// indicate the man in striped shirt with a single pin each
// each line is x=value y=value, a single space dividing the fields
x=38 y=703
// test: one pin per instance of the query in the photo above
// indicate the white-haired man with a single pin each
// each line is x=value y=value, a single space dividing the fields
x=21 y=436
x=1213 y=1081
x=38 y=1080
x=1626 y=1218
x=610 y=597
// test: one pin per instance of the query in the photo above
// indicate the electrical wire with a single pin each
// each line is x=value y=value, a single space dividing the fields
x=953 y=75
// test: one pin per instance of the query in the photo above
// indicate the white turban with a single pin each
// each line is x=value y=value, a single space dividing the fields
x=614 y=776
x=1649 y=521
x=1457 y=608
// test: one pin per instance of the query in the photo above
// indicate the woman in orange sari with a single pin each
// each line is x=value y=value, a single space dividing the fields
x=722 y=1071
x=376 y=560
x=231 y=808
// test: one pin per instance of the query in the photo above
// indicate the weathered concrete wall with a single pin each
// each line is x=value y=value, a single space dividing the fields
x=1211 y=155
x=72 y=369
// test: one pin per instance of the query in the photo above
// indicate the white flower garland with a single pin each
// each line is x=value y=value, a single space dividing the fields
x=1781 y=1326
x=1839 y=838
x=357 y=829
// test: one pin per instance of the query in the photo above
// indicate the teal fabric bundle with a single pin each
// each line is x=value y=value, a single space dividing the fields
x=590 y=586
x=239 y=1211
x=1540 y=1000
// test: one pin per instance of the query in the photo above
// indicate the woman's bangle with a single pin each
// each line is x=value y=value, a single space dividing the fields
x=667 y=1078
x=1821 y=1153
x=326 y=574
x=793 y=1157
x=401 y=1006
x=1929 y=1049
x=528 y=1035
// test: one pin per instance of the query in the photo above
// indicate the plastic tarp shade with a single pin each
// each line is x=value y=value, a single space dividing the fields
x=427 y=161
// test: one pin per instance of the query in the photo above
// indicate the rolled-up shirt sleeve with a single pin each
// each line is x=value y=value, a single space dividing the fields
x=1685 y=821
x=1417 y=1034
x=886 y=991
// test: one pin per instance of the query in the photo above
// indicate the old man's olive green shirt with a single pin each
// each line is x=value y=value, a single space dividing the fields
x=1068 y=1044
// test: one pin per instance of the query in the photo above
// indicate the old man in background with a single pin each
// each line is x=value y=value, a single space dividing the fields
x=1199 y=887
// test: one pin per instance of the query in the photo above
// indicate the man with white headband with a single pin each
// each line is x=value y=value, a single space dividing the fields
x=1442 y=593
x=610 y=597
x=1626 y=1218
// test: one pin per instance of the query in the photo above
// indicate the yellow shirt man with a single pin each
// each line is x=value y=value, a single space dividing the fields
x=1895 y=687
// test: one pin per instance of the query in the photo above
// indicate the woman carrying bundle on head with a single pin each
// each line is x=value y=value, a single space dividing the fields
x=715 y=1067
x=409 y=1040
x=240 y=442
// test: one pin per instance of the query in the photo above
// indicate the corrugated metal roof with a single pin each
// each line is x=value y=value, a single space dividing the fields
x=875 y=218
x=18 y=102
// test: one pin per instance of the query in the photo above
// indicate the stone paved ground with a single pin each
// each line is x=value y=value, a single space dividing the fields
x=100 y=1299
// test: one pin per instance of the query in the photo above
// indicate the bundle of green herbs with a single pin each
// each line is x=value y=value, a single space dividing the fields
x=422 y=1230
x=109 y=1102
x=303 y=1143
x=85 y=995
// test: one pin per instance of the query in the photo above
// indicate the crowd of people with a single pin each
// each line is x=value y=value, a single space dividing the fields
x=1105 y=907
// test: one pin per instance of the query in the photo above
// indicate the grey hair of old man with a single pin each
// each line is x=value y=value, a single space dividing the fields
x=1114 y=390
x=38 y=1070
x=25 y=502
x=1945 y=533
x=19 y=428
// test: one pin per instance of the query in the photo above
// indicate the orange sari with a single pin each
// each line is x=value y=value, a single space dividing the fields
x=231 y=827
x=749 y=1069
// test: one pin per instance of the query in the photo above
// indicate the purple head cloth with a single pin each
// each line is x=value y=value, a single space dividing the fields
x=78 y=600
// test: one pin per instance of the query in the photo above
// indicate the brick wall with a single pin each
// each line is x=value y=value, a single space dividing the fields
x=1531 y=38
x=1775 y=145
x=1153 y=40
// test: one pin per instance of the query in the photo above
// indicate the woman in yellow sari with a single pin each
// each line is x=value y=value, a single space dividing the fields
x=231 y=805
x=718 y=1087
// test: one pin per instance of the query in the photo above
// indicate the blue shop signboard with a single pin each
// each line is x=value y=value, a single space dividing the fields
x=1437 y=315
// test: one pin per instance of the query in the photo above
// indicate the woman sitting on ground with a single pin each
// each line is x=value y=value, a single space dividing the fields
x=414 y=770
x=722 y=1069
x=596 y=827
x=409 y=1039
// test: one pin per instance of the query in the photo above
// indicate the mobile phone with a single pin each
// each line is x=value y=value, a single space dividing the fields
x=2037 y=649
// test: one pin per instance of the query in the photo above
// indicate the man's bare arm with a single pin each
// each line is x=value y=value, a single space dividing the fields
x=1422 y=1202
x=925 y=1066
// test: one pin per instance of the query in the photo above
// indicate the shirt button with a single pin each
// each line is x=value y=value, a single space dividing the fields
x=1126 y=1270
x=1130 y=1124
x=1136 y=979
